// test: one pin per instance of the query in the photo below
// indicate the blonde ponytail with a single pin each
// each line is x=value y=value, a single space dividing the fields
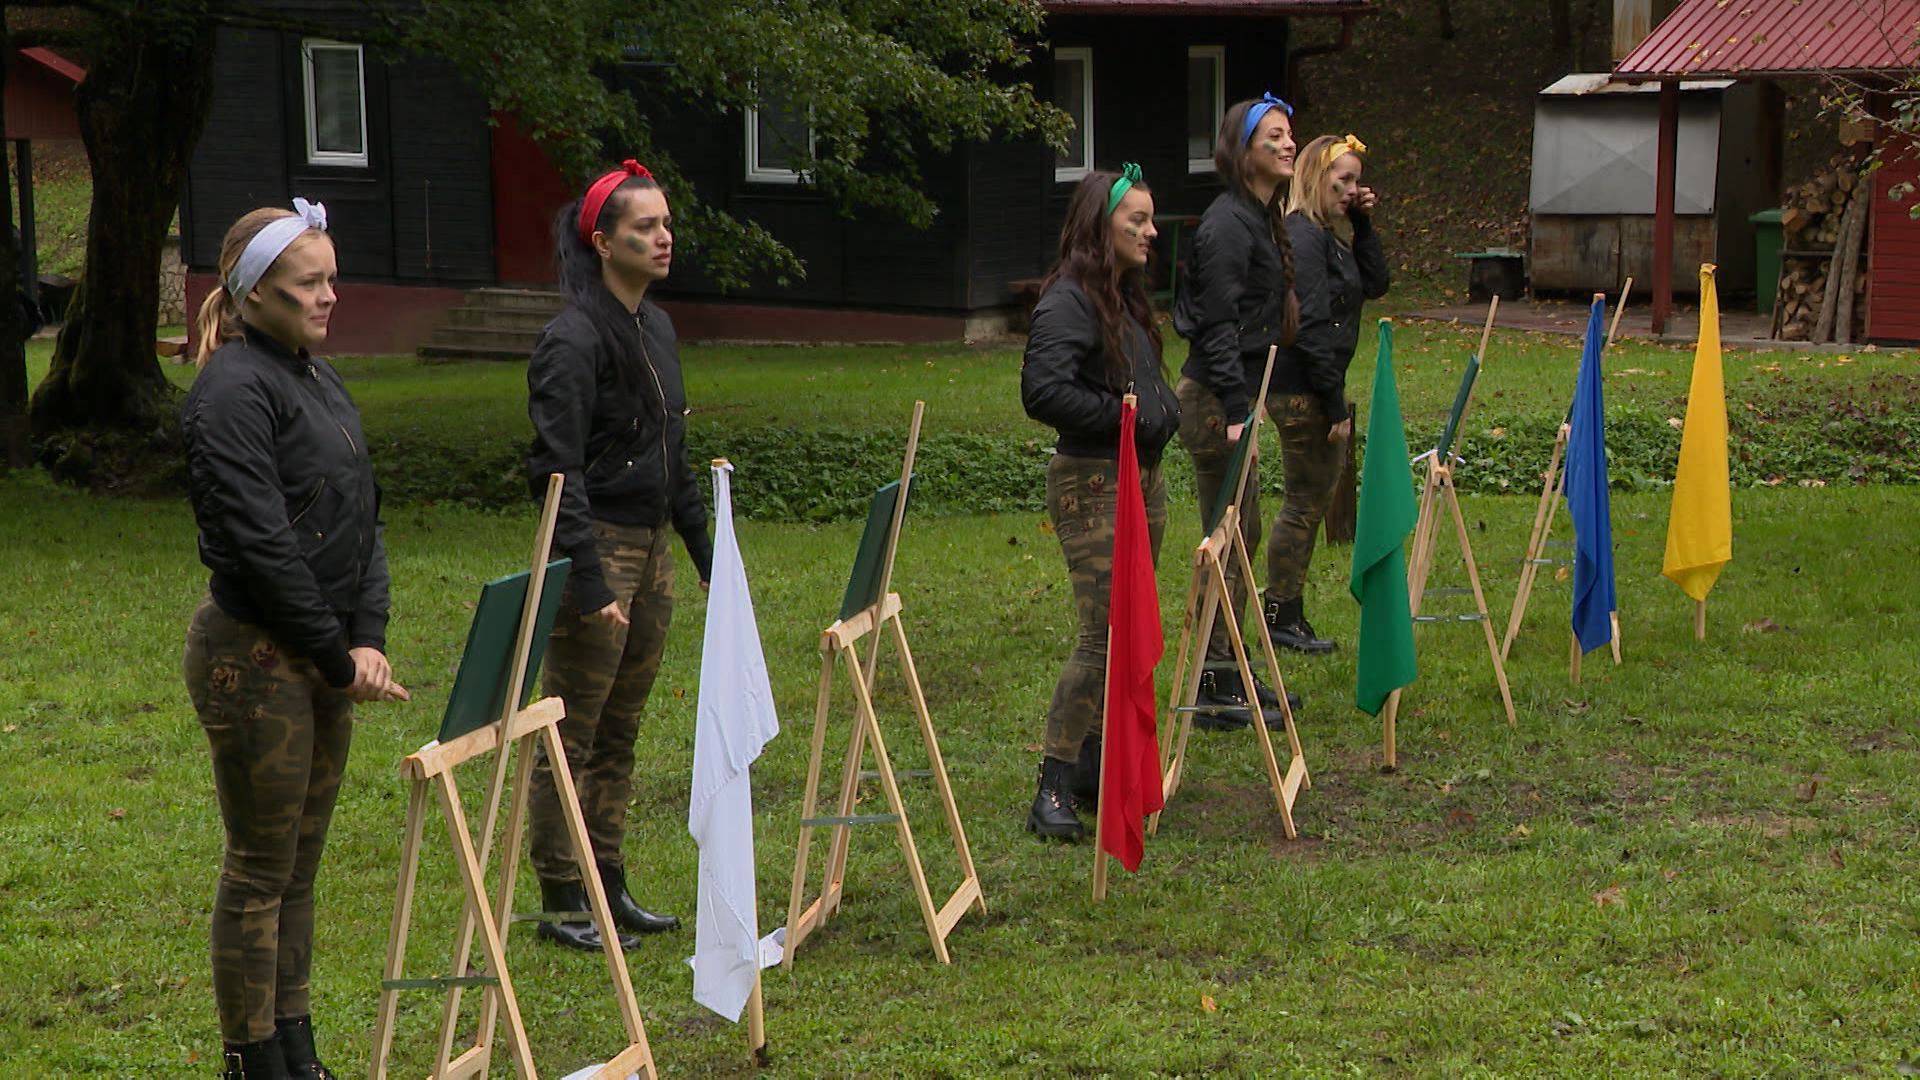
x=219 y=318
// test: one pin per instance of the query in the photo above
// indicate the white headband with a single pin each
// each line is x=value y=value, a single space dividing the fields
x=268 y=243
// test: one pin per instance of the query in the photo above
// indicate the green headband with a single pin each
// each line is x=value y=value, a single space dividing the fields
x=1129 y=176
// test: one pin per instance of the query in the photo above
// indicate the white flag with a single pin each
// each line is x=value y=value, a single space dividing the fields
x=735 y=719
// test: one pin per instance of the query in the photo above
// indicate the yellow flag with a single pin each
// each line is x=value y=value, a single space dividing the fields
x=1700 y=527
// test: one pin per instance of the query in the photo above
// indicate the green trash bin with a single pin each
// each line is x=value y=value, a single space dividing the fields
x=1766 y=257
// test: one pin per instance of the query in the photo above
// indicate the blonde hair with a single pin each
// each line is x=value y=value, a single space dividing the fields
x=219 y=318
x=1309 y=192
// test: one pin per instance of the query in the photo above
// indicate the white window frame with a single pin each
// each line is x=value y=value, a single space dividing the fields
x=1084 y=54
x=316 y=156
x=1218 y=54
x=766 y=174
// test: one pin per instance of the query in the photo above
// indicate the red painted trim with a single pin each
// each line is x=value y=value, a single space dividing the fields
x=1664 y=155
x=371 y=318
x=55 y=62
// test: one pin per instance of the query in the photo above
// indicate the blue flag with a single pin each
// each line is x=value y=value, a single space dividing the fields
x=1593 y=596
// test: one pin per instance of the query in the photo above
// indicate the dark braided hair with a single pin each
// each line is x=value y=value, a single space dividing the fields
x=1086 y=256
x=1230 y=161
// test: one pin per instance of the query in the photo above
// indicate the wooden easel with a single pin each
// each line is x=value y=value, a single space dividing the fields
x=1438 y=488
x=839 y=643
x=1207 y=595
x=1552 y=490
x=431 y=767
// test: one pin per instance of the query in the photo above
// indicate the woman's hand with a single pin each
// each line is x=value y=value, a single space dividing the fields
x=1364 y=200
x=612 y=615
x=373 y=677
x=1341 y=431
x=1234 y=431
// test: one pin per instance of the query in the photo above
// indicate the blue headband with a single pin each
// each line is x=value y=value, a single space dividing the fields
x=1259 y=109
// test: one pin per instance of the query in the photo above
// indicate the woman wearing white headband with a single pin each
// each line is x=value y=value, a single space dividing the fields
x=293 y=628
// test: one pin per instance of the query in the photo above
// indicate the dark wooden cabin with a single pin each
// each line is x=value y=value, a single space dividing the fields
x=436 y=209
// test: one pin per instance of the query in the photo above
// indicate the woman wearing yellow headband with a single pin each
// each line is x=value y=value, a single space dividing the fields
x=1338 y=263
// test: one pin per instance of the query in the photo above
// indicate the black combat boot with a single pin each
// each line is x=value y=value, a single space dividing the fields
x=1287 y=624
x=1052 y=814
x=295 y=1034
x=1220 y=705
x=1086 y=775
x=261 y=1060
x=628 y=915
x=583 y=935
x=1270 y=701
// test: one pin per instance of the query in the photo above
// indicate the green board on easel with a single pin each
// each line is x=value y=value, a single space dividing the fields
x=1460 y=396
x=869 y=562
x=480 y=686
x=1236 y=462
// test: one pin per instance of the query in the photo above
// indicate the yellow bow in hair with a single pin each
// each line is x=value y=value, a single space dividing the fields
x=1346 y=144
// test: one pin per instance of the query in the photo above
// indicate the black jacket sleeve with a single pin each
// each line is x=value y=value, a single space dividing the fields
x=370 y=612
x=231 y=453
x=560 y=394
x=1325 y=369
x=1370 y=256
x=690 y=517
x=1221 y=252
x=1064 y=332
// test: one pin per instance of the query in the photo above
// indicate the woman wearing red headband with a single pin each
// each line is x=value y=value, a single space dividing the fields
x=609 y=413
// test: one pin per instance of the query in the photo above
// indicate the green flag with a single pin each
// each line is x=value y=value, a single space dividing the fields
x=1387 y=514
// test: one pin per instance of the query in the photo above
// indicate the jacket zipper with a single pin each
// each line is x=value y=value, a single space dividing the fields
x=666 y=467
x=311 y=502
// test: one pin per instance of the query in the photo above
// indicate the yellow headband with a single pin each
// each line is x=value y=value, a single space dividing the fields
x=1345 y=144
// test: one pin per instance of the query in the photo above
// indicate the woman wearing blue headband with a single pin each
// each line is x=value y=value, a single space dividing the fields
x=1236 y=302
x=292 y=631
x=1092 y=341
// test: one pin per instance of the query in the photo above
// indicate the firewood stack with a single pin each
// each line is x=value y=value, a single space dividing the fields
x=1821 y=276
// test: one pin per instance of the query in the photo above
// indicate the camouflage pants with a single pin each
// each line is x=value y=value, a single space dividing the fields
x=1312 y=466
x=603 y=673
x=1203 y=431
x=1081 y=503
x=279 y=738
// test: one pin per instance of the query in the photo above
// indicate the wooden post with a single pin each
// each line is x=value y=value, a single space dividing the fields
x=1619 y=309
x=1699 y=620
x=757 y=1025
x=1486 y=332
x=1100 y=819
x=1664 y=157
x=1573 y=672
x=1613 y=619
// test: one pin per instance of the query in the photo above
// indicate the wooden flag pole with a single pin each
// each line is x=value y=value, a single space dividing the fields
x=1573 y=672
x=757 y=1024
x=1099 y=819
x=1699 y=620
x=1486 y=332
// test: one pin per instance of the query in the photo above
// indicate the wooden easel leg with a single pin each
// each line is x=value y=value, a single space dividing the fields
x=1187 y=624
x=870 y=722
x=1189 y=693
x=1298 y=764
x=397 y=933
x=476 y=888
x=509 y=873
x=1259 y=723
x=809 y=800
x=1480 y=600
x=832 y=891
x=1423 y=540
x=1536 y=544
x=576 y=823
x=936 y=762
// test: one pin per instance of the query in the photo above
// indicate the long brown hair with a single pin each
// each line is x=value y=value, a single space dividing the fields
x=1230 y=161
x=219 y=318
x=1086 y=256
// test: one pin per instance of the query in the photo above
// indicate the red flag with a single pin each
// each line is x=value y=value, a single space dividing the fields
x=1130 y=758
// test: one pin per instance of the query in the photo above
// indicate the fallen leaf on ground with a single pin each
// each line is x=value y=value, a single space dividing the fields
x=1811 y=788
x=1762 y=626
x=1522 y=831
x=1611 y=896
x=1207 y=1003
x=117 y=813
x=1460 y=819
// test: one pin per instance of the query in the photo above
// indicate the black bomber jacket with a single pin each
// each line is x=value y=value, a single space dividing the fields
x=284 y=495
x=611 y=415
x=1233 y=301
x=1064 y=381
x=1331 y=280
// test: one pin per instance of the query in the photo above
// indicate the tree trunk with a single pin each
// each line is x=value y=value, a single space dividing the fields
x=14 y=441
x=141 y=109
x=1445 y=13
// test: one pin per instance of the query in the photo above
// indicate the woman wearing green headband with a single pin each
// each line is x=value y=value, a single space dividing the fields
x=1235 y=303
x=1339 y=264
x=1092 y=341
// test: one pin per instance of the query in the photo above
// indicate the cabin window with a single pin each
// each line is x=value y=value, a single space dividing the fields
x=333 y=76
x=1073 y=93
x=779 y=144
x=1206 y=103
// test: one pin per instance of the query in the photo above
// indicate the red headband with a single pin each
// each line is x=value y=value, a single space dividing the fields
x=598 y=191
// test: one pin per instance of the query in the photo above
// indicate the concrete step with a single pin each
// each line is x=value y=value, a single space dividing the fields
x=488 y=338
x=468 y=352
x=499 y=318
x=517 y=299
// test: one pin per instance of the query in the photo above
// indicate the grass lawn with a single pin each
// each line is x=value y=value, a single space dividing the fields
x=1700 y=862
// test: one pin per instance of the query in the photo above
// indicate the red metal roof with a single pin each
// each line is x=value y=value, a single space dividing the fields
x=1206 y=7
x=1747 y=38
